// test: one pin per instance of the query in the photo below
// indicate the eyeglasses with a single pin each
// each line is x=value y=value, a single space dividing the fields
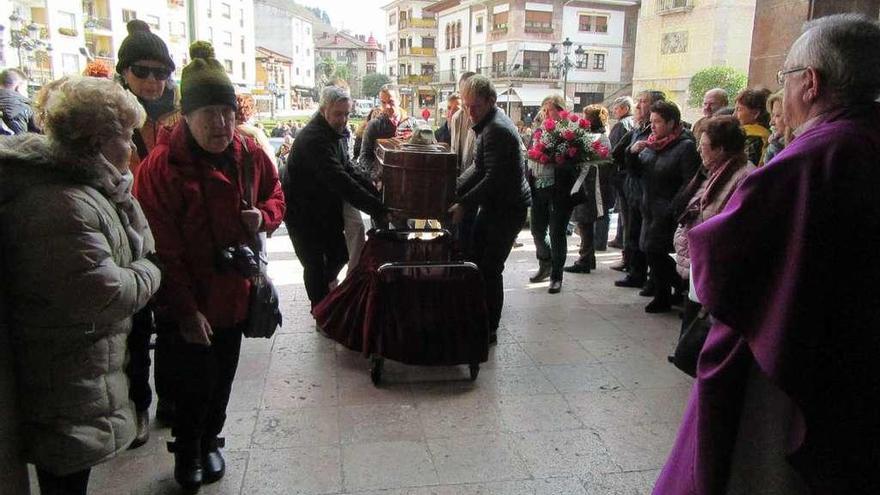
x=142 y=72
x=780 y=76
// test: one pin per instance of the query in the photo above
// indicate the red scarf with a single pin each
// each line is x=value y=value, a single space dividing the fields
x=658 y=144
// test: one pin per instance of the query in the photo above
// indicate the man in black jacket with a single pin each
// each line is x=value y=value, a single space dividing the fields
x=319 y=179
x=15 y=108
x=496 y=183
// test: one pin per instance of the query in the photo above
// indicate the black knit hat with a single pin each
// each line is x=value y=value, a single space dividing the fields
x=141 y=44
x=204 y=81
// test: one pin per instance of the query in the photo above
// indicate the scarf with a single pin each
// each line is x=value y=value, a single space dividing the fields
x=658 y=144
x=711 y=179
x=161 y=106
x=116 y=186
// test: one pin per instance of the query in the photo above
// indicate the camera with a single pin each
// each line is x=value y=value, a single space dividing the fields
x=240 y=258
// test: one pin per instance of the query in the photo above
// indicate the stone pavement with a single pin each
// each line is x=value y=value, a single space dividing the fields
x=576 y=398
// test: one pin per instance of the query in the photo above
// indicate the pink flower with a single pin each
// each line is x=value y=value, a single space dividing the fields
x=560 y=159
x=568 y=134
x=563 y=114
x=600 y=149
x=540 y=146
x=549 y=124
x=572 y=151
x=583 y=124
x=533 y=154
x=573 y=117
x=538 y=133
x=543 y=158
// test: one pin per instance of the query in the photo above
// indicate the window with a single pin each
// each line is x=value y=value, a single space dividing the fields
x=67 y=20
x=242 y=44
x=391 y=70
x=211 y=34
x=70 y=63
x=226 y=10
x=243 y=70
x=391 y=46
x=451 y=63
x=210 y=8
x=536 y=63
x=458 y=34
x=463 y=65
x=128 y=15
x=593 y=23
x=402 y=69
x=479 y=28
x=297 y=71
x=308 y=52
x=241 y=17
x=392 y=19
x=427 y=42
x=541 y=22
x=499 y=21
x=227 y=38
x=479 y=61
x=427 y=69
x=227 y=64
x=182 y=29
x=296 y=49
x=582 y=61
x=667 y=5
x=308 y=31
x=308 y=72
x=499 y=61
x=599 y=61
x=448 y=36
x=152 y=21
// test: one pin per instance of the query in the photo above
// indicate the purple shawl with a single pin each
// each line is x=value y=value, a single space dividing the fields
x=789 y=269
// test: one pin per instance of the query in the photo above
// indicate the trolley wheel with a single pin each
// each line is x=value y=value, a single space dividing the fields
x=377 y=363
x=475 y=371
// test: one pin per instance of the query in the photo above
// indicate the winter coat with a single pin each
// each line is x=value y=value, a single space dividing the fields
x=193 y=201
x=320 y=177
x=72 y=284
x=163 y=113
x=721 y=193
x=497 y=178
x=663 y=174
x=378 y=128
x=443 y=134
x=620 y=129
x=588 y=211
x=629 y=164
x=17 y=112
x=757 y=137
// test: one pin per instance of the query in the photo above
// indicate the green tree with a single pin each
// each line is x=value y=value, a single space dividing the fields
x=718 y=76
x=372 y=83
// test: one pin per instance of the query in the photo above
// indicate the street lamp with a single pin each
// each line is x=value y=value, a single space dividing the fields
x=24 y=36
x=566 y=62
x=271 y=67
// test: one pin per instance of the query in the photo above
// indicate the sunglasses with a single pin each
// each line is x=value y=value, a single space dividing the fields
x=142 y=72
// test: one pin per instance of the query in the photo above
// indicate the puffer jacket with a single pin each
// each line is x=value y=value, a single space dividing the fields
x=163 y=113
x=71 y=284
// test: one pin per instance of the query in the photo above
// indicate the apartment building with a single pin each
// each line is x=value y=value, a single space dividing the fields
x=359 y=54
x=411 y=58
x=229 y=26
x=523 y=46
x=287 y=29
x=677 y=38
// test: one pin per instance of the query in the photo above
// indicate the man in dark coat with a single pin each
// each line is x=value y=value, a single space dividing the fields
x=320 y=178
x=382 y=127
x=15 y=108
x=496 y=183
x=444 y=134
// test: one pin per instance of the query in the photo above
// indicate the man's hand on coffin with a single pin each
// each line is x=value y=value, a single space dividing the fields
x=457 y=211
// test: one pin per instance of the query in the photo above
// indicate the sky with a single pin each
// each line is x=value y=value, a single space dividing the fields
x=358 y=16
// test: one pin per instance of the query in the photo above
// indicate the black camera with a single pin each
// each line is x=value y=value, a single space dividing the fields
x=240 y=258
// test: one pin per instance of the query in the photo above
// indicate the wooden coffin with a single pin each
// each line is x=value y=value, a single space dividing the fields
x=418 y=181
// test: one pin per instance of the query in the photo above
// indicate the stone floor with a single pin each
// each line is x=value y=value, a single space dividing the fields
x=576 y=398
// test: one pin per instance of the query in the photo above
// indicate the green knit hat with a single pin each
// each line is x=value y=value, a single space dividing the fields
x=204 y=81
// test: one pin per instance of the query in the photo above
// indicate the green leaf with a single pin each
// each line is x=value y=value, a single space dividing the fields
x=731 y=80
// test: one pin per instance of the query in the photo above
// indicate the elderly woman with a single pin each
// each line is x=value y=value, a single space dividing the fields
x=780 y=133
x=207 y=192
x=785 y=396
x=70 y=228
x=551 y=207
x=751 y=112
x=667 y=160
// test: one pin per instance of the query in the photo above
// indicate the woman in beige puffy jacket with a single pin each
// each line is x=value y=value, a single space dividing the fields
x=74 y=255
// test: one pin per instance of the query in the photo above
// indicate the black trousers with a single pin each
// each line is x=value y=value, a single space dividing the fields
x=138 y=367
x=70 y=484
x=663 y=273
x=638 y=265
x=600 y=231
x=493 y=236
x=464 y=232
x=205 y=381
x=587 y=251
x=322 y=259
x=549 y=224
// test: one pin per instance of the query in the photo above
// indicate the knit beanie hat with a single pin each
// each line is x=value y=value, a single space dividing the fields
x=204 y=81
x=141 y=44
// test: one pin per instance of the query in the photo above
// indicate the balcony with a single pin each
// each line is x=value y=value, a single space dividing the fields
x=665 y=7
x=520 y=72
x=445 y=77
x=98 y=24
x=418 y=51
x=414 y=79
x=417 y=23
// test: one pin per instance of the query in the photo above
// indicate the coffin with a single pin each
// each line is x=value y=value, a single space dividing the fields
x=418 y=181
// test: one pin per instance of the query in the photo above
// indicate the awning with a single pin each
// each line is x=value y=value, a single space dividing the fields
x=528 y=97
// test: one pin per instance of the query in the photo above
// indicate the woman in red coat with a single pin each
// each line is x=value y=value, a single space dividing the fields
x=194 y=188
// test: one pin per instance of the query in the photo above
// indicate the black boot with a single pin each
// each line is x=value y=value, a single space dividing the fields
x=555 y=286
x=630 y=281
x=187 y=463
x=578 y=266
x=142 y=423
x=543 y=272
x=648 y=289
x=593 y=261
x=659 y=304
x=213 y=465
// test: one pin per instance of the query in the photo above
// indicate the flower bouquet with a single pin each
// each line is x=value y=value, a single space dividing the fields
x=566 y=141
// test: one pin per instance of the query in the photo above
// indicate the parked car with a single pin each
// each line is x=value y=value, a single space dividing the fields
x=362 y=107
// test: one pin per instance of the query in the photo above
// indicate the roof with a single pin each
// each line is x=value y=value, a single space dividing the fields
x=342 y=39
x=295 y=9
x=262 y=50
x=441 y=5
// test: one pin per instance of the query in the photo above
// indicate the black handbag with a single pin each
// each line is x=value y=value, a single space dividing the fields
x=264 y=314
x=693 y=336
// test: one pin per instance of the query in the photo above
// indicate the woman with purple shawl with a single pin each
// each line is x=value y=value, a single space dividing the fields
x=789 y=378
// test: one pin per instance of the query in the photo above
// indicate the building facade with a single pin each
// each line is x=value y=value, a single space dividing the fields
x=521 y=46
x=411 y=58
x=359 y=54
x=779 y=22
x=677 y=38
x=272 y=90
x=229 y=26
x=287 y=30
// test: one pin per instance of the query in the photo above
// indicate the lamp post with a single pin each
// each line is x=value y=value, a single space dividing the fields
x=271 y=66
x=565 y=64
x=25 y=38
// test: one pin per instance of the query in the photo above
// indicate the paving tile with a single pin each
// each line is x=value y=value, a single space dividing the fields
x=622 y=348
x=569 y=378
x=537 y=413
x=609 y=409
x=509 y=381
x=302 y=342
x=253 y=366
x=298 y=427
x=298 y=471
x=547 y=486
x=239 y=429
x=476 y=458
x=451 y=417
x=290 y=364
x=300 y=391
x=245 y=395
x=557 y=352
x=647 y=374
x=380 y=422
x=564 y=453
x=507 y=355
x=377 y=465
x=630 y=483
x=639 y=447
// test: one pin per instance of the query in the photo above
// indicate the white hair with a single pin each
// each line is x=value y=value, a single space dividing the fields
x=845 y=50
x=623 y=101
x=332 y=95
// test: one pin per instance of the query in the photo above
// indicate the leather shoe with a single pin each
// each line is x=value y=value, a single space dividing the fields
x=188 y=471
x=648 y=289
x=629 y=282
x=543 y=272
x=213 y=465
x=577 y=268
x=142 y=435
x=658 y=305
x=555 y=286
